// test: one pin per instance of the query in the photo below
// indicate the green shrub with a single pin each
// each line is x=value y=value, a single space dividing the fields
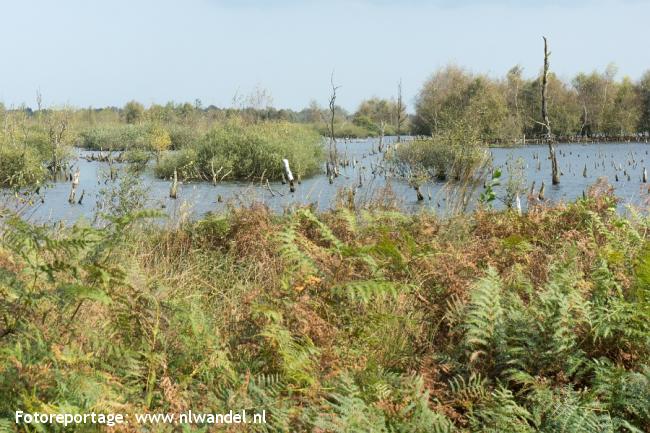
x=183 y=136
x=184 y=161
x=347 y=130
x=114 y=137
x=20 y=166
x=247 y=151
x=450 y=155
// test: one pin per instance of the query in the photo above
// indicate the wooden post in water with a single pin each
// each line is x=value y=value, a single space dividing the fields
x=73 y=188
x=174 y=188
x=645 y=175
x=417 y=191
x=288 y=174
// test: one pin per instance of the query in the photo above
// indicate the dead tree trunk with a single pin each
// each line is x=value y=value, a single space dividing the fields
x=401 y=111
x=334 y=157
x=547 y=123
x=173 y=190
x=73 y=188
x=288 y=174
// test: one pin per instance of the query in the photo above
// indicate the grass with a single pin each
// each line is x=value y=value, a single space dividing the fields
x=345 y=321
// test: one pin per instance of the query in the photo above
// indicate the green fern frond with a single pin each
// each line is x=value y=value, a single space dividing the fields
x=368 y=290
x=484 y=315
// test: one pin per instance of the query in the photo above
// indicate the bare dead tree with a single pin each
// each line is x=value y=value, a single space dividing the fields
x=584 y=119
x=546 y=122
x=401 y=111
x=57 y=126
x=39 y=100
x=382 y=128
x=333 y=157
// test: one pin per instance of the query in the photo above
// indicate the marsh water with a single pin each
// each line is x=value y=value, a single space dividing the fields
x=581 y=165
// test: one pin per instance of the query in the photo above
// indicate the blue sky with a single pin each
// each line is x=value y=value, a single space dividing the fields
x=97 y=53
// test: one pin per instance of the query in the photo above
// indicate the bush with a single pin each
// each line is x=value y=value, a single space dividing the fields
x=347 y=130
x=114 y=137
x=247 y=151
x=20 y=166
x=183 y=136
x=183 y=161
x=453 y=154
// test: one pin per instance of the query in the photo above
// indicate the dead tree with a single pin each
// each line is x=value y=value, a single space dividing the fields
x=173 y=189
x=73 y=187
x=401 y=111
x=547 y=123
x=333 y=157
x=288 y=174
x=382 y=128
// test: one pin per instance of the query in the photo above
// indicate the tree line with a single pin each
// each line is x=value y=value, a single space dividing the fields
x=507 y=108
x=504 y=109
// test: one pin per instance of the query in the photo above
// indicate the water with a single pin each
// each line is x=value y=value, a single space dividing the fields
x=198 y=198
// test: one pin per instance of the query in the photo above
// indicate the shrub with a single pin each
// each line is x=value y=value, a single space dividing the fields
x=20 y=166
x=453 y=154
x=183 y=136
x=113 y=137
x=184 y=161
x=247 y=151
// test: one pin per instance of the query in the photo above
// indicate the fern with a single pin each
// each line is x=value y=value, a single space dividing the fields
x=484 y=317
x=470 y=390
x=369 y=290
x=500 y=413
x=325 y=232
x=297 y=354
x=290 y=252
x=347 y=412
x=626 y=394
x=570 y=412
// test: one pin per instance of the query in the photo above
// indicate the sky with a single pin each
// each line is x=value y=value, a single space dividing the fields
x=99 y=53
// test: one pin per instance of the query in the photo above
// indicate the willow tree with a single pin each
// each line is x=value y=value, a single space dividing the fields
x=548 y=135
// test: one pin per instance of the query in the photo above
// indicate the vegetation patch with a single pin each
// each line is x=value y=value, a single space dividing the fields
x=343 y=321
x=242 y=150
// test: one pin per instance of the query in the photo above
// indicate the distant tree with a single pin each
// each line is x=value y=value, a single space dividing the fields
x=374 y=112
x=185 y=112
x=437 y=103
x=595 y=93
x=514 y=86
x=453 y=96
x=622 y=114
x=133 y=112
x=643 y=89
x=314 y=113
x=160 y=114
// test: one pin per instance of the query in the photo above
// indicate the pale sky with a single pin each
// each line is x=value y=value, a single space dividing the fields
x=97 y=53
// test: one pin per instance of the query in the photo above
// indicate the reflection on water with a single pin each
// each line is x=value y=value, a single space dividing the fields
x=623 y=161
